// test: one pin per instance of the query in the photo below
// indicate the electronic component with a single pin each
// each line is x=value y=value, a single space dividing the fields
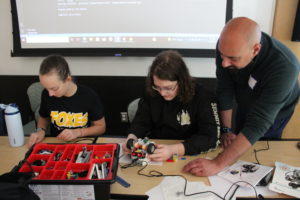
x=99 y=171
x=83 y=156
x=140 y=148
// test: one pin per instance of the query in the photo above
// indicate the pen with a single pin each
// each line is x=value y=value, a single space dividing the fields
x=122 y=182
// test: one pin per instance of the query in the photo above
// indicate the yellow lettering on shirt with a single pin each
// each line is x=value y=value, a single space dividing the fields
x=53 y=116
x=61 y=119
x=69 y=120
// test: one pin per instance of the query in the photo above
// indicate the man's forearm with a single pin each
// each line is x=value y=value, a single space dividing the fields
x=226 y=118
x=236 y=149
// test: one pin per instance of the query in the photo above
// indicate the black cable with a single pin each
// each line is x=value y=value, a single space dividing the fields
x=95 y=140
x=155 y=173
x=249 y=185
x=234 y=191
x=256 y=151
x=132 y=164
x=82 y=139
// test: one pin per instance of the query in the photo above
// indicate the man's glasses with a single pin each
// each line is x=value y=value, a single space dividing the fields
x=165 y=89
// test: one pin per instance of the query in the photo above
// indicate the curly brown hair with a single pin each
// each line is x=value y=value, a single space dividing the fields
x=169 y=65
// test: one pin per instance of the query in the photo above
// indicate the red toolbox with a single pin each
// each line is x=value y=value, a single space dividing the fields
x=73 y=164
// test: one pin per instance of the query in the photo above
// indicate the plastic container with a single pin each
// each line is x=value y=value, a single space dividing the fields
x=14 y=125
x=63 y=170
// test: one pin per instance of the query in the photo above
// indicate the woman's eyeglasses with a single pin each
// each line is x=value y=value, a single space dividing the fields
x=165 y=89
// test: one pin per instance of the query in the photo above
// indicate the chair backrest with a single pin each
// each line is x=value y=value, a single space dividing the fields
x=34 y=93
x=132 y=108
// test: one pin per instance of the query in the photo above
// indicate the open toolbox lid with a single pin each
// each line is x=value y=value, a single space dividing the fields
x=71 y=163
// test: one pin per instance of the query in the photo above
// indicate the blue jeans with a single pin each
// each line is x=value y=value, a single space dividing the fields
x=275 y=131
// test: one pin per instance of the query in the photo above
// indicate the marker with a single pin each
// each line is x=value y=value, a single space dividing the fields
x=122 y=182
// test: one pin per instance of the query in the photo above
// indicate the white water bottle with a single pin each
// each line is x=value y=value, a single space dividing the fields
x=14 y=125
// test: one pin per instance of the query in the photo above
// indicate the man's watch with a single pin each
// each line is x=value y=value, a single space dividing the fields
x=40 y=129
x=226 y=130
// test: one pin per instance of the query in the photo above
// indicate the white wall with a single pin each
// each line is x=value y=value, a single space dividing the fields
x=260 y=11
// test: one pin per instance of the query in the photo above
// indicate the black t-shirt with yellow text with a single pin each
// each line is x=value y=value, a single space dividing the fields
x=72 y=112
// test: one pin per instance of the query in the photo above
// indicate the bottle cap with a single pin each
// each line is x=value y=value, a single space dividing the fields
x=11 y=109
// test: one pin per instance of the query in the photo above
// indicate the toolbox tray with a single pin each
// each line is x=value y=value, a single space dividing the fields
x=56 y=171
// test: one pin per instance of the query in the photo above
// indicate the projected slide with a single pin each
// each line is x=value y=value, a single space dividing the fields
x=182 y=24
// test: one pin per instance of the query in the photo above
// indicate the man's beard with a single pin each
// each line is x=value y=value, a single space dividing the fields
x=232 y=67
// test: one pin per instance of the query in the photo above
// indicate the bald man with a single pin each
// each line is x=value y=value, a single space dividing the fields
x=261 y=75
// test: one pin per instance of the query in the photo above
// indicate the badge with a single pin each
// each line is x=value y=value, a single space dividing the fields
x=252 y=82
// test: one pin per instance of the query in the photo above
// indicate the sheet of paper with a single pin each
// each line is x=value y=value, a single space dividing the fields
x=173 y=191
x=245 y=171
x=64 y=192
x=155 y=193
x=221 y=186
x=286 y=179
x=172 y=188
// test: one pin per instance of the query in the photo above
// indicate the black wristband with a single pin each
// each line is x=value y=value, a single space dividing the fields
x=39 y=129
x=226 y=130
